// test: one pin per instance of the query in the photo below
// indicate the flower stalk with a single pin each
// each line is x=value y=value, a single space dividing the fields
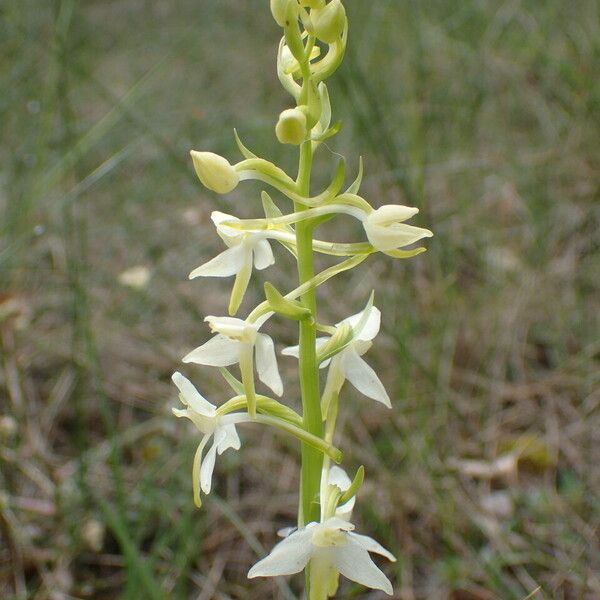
x=324 y=544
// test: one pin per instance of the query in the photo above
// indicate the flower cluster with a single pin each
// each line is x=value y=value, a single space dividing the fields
x=324 y=543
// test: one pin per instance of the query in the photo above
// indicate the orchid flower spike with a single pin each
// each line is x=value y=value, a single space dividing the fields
x=204 y=415
x=348 y=363
x=244 y=248
x=239 y=341
x=331 y=548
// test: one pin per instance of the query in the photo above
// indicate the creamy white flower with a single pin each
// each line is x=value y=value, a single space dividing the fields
x=386 y=230
x=331 y=547
x=239 y=341
x=244 y=249
x=348 y=364
x=204 y=415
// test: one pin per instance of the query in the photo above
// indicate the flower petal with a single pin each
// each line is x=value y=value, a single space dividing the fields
x=231 y=439
x=288 y=557
x=295 y=350
x=266 y=363
x=354 y=562
x=339 y=477
x=394 y=213
x=192 y=397
x=372 y=545
x=219 y=351
x=226 y=264
x=263 y=255
x=208 y=464
x=229 y=235
x=370 y=329
x=262 y=320
x=363 y=378
x=242 y=279
x=196 y=470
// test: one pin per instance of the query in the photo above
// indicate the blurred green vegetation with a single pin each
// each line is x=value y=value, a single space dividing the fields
x=485 y=477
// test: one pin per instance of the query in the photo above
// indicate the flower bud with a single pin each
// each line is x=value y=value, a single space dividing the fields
x=291 y=127
x=329 y=22
x=387 y=231
x=312 y=3
x=279 y=10
x=215 y=172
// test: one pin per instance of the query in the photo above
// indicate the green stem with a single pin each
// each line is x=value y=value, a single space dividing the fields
x=312 y=459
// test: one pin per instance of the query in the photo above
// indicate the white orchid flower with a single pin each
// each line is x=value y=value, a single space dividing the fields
x=244 y=249
x=239 y=341
x=204 y=415
x=349 y=364
x=386 y=230
x=330 y=547
x=219 y=424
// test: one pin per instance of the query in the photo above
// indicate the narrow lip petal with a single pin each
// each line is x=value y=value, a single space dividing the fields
x=288 y=557
x=266 y=363
x=192 y=397
x=354 y=562
x=219 y=351
x=364 y=378
x=226 y=264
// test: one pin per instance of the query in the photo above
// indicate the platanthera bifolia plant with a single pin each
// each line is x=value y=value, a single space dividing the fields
x=325 y=543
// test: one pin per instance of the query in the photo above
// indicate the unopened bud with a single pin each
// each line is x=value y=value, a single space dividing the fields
x=329 y=22
x=312 y=3
x=279 y=10
x=215 y=172
x=291 y=127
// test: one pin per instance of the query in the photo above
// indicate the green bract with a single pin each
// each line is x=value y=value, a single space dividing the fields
x=313 y=44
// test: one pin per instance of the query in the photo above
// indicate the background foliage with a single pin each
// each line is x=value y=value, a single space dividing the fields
x=485 y=477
